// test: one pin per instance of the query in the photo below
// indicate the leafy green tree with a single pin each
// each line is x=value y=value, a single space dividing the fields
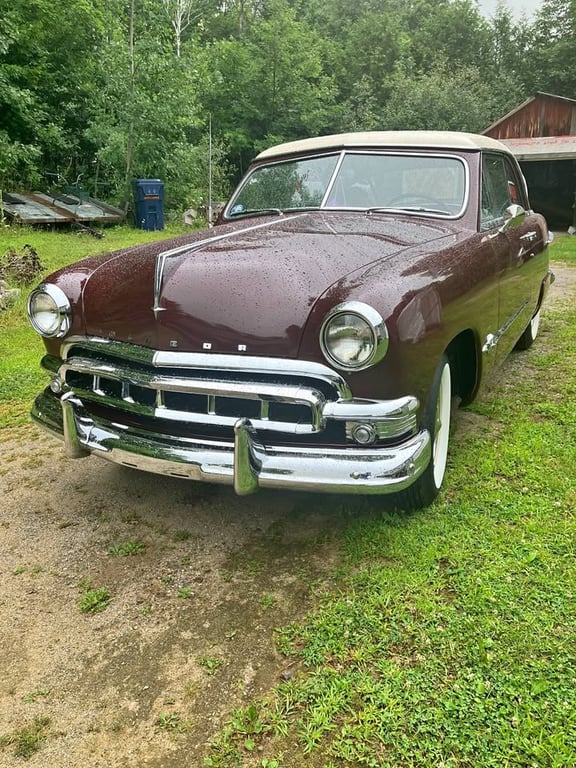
x=552 y=54
x=46 y=85
x=147 y=120
x=440 y=100
x=19 y=154
x=235 y=19
x=364 y=42
x=269 y=86
x=116 y=89
x=447 y=31
x=360 y=111
x=291 y=87
x=510 y=42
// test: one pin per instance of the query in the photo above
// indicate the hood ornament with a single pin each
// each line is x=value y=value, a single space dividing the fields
x=158 y=277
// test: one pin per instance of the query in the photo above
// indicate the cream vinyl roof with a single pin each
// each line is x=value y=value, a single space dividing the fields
x=386 y=139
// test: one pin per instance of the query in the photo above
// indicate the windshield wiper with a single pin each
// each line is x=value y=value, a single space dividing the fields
x=303 y=208
x=401 y=209
x=256 y=212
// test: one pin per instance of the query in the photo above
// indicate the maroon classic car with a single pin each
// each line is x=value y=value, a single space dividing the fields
x=356 y=288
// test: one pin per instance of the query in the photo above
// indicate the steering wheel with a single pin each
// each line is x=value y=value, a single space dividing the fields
x=418 y=199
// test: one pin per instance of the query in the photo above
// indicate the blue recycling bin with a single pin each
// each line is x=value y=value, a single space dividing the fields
x=149 y=204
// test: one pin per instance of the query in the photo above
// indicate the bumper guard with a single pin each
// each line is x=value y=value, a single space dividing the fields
x=246 y=463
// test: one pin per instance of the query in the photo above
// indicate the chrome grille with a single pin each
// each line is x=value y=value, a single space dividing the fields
x=156 y=386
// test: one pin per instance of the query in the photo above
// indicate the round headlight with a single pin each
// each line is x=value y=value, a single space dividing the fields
x=353 y=336
x=49 y=311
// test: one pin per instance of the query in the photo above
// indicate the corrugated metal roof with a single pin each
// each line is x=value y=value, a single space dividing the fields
x=543 y=148
x=37 y=208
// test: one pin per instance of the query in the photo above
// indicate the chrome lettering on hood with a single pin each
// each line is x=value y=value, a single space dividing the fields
x=165 y=255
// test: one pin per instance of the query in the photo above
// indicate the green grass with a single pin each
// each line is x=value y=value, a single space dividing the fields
x=94 y=600
x=564 y=249
x=20 y=347
x=172 y=722
x=127 y=549
x=210 y=663
x=28 y=739
x=450 y=639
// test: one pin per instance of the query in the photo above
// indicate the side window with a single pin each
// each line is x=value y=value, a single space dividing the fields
x=500 y=188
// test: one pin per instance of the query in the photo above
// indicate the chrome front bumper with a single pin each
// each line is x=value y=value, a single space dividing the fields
x=245 y=463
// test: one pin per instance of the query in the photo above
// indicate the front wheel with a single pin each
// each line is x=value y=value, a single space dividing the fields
x=437 y=417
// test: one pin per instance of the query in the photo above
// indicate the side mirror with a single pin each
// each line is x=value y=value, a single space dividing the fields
x=514 y=215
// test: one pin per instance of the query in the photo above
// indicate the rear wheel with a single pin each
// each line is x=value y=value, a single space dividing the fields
x=437 y=420
x=530 y=332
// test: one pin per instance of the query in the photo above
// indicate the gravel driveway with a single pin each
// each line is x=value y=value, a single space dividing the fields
x=198 y=578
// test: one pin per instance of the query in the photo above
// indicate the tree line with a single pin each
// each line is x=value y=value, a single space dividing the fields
x=102 y=91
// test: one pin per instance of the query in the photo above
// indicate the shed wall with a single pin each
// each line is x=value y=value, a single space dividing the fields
x=540 y=117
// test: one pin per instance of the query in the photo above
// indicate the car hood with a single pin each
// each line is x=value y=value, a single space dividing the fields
x=247 y=287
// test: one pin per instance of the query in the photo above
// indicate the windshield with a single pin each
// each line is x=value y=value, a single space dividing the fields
x=423 y=183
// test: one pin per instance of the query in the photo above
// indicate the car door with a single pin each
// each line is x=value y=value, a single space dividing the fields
x=519 y=247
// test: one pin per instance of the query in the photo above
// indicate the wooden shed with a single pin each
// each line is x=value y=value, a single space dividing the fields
x=542 y=134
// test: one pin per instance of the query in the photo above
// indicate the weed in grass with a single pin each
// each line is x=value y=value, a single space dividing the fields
x=33 y=696
x=254 y=567
x=127 y=549
x=27 y=740
x=94 y=600
x=226 y=575
x=185 y=593
x=249 y=721
x=210 y=663
x=169 y=721
x=190 y=689
x=181 y=535
x=267 y=602
x=224 y=753
x=246 y=731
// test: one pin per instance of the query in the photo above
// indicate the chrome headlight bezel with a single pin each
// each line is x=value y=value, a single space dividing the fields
x=57 y=306
x=369 y=322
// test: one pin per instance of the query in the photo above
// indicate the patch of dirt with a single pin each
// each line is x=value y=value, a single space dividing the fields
x=189 y=633
x=564 y=286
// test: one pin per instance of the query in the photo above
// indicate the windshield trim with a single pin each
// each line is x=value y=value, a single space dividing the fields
x=370 y=210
